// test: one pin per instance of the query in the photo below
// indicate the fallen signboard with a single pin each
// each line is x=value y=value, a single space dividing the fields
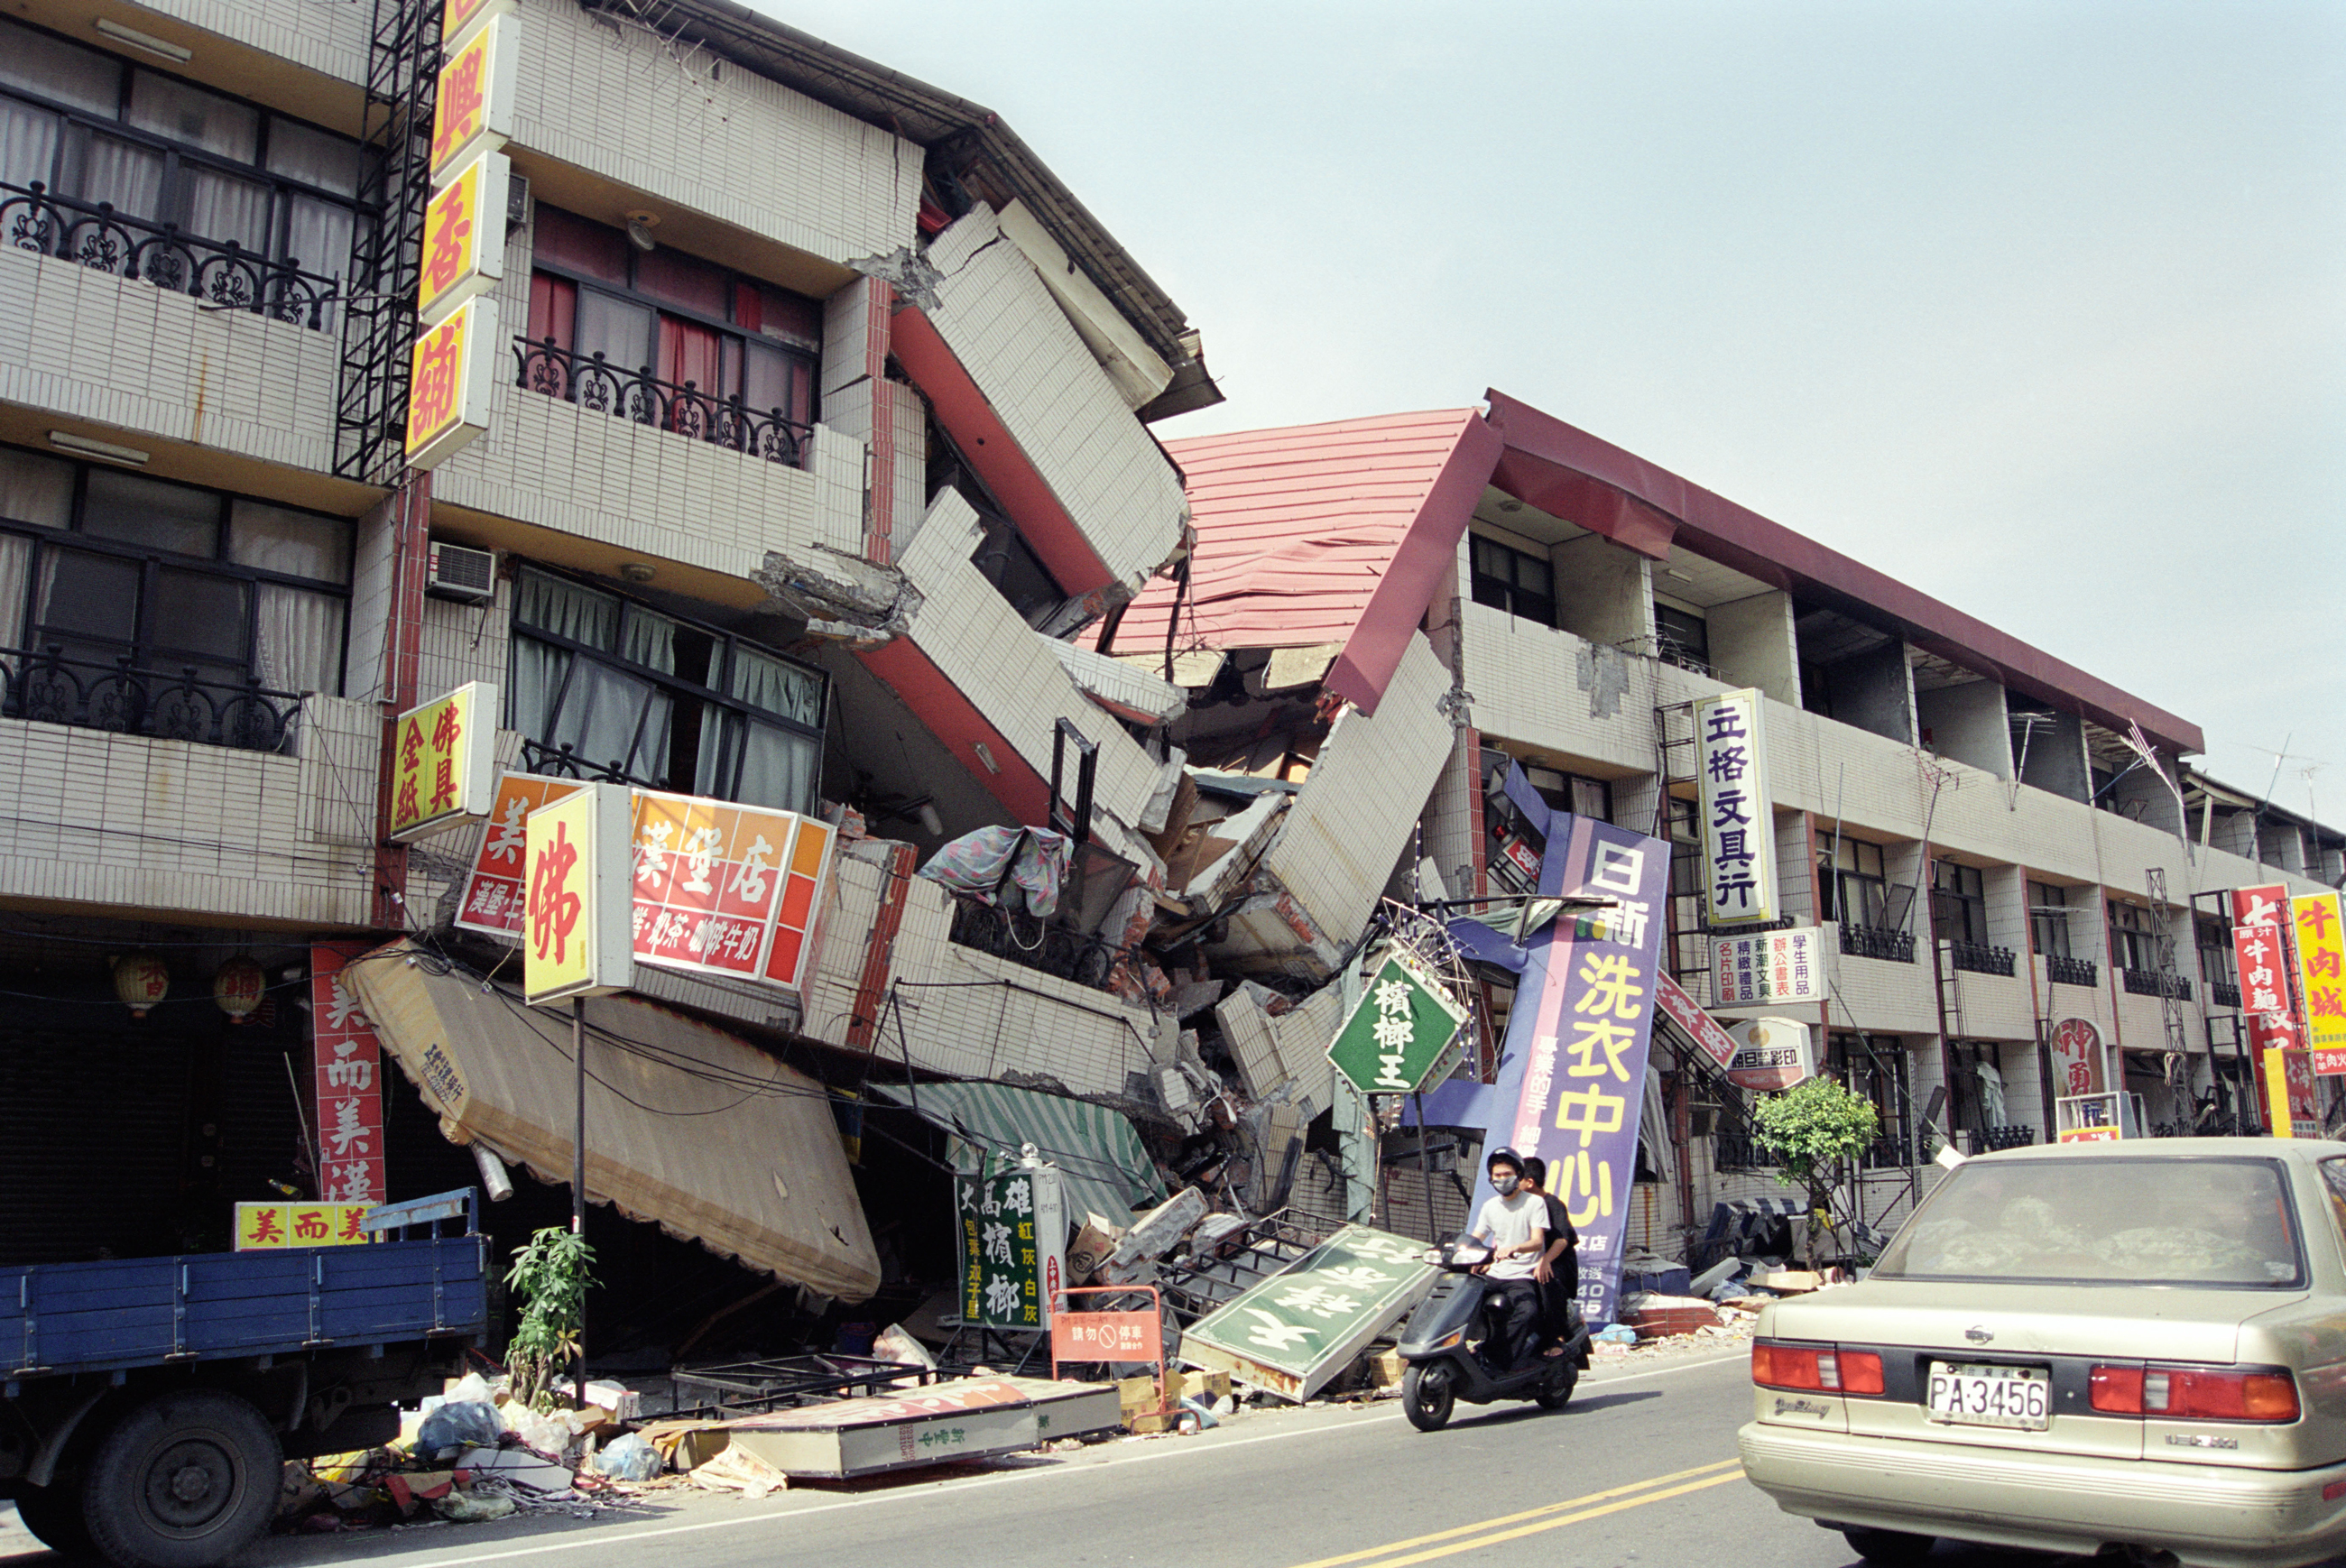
x=965 y=1418
x=1300 y=1328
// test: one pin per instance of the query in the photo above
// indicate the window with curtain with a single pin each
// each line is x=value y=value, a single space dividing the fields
x=92 y=128
x=1958 y=903
x=2049 y=918
x=2133 y=940
x=605 y=687
x=98 y=566
x=672 y=318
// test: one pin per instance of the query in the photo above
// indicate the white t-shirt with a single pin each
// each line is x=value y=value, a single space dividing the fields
x=1510 y=1222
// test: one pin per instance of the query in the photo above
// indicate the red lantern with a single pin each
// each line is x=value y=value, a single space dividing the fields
x=238 y=988
x=140 y=980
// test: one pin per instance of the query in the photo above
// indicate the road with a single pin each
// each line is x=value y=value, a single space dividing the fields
x=1641 y=1470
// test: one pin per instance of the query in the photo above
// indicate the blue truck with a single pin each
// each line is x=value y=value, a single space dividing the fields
x=148 y=1404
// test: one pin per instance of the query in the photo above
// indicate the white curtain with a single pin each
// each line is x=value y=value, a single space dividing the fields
x=106 y=168
x=297 y=543
x=226 y=210
x=598 y=719
x=300 y=640
x=537 y=669
x=28 y=143
x=777 y=687
x=567 y=610
x=34 y=489
x=776 y=766
x=15 y=561
x=650 y=641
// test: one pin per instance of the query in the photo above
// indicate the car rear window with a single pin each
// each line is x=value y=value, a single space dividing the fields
x=2088 y=1221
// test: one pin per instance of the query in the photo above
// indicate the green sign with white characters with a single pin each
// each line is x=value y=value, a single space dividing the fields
x=1403 y=1024
x=1302 y=1327
x=1014 y=1245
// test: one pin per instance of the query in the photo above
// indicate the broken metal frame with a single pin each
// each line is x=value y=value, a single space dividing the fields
x=754 y=1387
x=1262 y=1246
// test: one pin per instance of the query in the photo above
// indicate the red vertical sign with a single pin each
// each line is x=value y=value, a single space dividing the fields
x=349 y=1071
x=2261 y=946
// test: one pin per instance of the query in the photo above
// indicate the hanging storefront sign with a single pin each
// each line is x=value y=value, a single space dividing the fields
x=453 y=367
x=2090 y=1118
x=1699 y=1026
x=1012 y=1225
x=1739 y=822
x=1398 y=1029
x=717 y=889
x=1571 y=1088
x=2321 y=958
x=1767 y=967
x=141 y=980
x=1771 y=1053
x=464 y=237
x=266 y=1226
x=443 y=762
x=460 y=20
x=2079 y=1066
x=2285 y=1080
x=347 y=1068
x=2261 y=929
x=1300 y=1328
x=575 y=940
x=473 y=109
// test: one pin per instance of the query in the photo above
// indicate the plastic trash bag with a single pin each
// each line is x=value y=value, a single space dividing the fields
x=455 y=1426
x=628 y=1457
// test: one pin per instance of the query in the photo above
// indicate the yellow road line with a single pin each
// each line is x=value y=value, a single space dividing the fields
x=1541 y=1512
x=1522 y=1530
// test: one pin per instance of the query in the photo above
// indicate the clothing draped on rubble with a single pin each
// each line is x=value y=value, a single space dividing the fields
x=1102 y=1168
x=1038 y=859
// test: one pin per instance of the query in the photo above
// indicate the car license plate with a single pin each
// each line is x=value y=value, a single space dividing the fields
x=1964 y=1394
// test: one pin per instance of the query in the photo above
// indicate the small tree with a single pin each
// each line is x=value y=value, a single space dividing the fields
x=551 y=1276
x=1814 y=1129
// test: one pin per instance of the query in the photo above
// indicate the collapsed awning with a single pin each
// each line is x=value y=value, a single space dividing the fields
x=686 y=1125
x=1102 y=1168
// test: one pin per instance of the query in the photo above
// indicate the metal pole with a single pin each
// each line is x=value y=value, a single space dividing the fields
x=578 y=1177
x=1425 y=1169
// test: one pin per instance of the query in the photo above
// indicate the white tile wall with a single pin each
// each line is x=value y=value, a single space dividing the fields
x=329 y=38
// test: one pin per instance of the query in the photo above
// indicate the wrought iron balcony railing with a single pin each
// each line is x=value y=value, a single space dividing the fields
x=642 y=398
x=222 y=274
x=1875 y=942
x=2223 y=994
x=1987 y=1139
x=558 y=762
x=2150 y=983
x=2063 y=970
x=46 y=687
x=1980 y=959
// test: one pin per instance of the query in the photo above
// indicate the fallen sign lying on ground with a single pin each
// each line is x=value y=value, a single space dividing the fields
x=1297 y=1329
x=964 y=1419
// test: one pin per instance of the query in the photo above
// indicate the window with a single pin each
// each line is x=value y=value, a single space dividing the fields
x=1681 y=637
x=2134 y=943
x=2049 y=918
x=1958 y=904
x=104 y=572
x=2218 y=964
x=605 y=688
x=91 y=129
x=1855 y=889
x=664 y=339
x=1510 y=580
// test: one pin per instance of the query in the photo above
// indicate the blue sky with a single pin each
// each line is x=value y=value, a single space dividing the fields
x=2040 y=307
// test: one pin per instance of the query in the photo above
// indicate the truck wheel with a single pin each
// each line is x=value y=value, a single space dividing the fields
x=1427 y=1398
x=53 y=1513
x=1888 y=1548
x=183 y=1481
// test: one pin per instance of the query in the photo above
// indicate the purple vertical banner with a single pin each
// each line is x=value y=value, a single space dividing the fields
x=1572 y=1081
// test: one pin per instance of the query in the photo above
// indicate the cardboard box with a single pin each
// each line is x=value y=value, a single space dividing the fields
x=1792 y=1281
x=1094 y=1240
x=1203 y=1387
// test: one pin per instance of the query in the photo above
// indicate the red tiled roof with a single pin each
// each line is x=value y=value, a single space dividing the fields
x=1297 y=527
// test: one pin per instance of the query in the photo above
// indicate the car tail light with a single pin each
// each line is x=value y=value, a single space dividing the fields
x=1827 y=1369
x=2194 y=1393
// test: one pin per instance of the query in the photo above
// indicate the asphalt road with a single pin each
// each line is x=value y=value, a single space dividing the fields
x=1640 y=1468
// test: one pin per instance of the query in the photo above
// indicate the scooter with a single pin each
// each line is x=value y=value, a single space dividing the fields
x=1442 y=1343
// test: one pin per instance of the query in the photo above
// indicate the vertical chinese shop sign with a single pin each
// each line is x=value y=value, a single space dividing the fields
x=2320 y=956
x=1573 y=1087
x=1013 y=1230
x=348 y=1068
x=1739 y=820
x=2260 y=947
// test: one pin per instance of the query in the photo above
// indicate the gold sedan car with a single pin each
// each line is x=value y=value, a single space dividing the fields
x=2137 y=1347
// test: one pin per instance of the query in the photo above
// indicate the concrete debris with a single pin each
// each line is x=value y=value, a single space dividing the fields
x=851 y=599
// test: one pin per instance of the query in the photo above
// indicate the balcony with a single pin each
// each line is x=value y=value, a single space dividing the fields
x=2063 y=970
x=2223 y=994
x=46 y=687
x=642 y=398
x=2150 y=983
x=1032 y=943
x=222 y=276
x=1875 y=942
x=1980 y=959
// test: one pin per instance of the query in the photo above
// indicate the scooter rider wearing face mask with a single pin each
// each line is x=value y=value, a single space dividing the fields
x=1513 y=1224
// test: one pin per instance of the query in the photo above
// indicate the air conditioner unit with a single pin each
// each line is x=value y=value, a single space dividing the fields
x=466 y=576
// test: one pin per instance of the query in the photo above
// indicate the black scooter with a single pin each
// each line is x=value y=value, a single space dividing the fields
x=1442 y=1343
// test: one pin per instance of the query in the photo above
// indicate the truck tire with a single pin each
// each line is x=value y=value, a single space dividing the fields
x=182 y=1481
x=53 y=1513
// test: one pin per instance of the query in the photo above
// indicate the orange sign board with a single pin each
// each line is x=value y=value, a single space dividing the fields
x=464 y=237
x=449 y=379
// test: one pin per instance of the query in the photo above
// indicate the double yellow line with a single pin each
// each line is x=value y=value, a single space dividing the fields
x=1532 y=1520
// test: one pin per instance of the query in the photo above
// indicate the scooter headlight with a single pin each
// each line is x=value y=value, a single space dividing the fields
x=1450 y=1340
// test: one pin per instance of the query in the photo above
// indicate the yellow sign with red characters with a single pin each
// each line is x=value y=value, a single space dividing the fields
x=265 y=1226
x=443 y=762
x=2321 y=958
x=474 y=107
x=459 y=19
x=575 y=938
x=448 y=385
x=464 y=237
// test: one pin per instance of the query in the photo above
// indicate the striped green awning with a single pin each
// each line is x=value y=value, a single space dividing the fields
x=1102 y=1166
